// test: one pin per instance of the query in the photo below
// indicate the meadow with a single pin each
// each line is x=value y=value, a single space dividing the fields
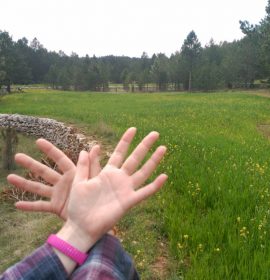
x=214 y=210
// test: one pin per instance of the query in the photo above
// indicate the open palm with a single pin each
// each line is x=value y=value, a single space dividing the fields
x=96 y=204
x=58 y=190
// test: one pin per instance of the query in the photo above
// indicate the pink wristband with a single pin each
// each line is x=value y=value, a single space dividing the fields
x=67 y=249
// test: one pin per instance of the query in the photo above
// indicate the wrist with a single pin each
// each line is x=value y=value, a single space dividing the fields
x=70 y=245
x=65 y=250
x=76 y=237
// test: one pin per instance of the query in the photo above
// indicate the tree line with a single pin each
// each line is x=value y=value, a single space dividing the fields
x=215 y=66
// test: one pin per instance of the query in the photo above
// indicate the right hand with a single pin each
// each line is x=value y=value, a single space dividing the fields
x=97 y=203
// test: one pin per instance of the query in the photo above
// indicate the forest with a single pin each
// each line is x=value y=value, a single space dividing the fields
x=243 y=63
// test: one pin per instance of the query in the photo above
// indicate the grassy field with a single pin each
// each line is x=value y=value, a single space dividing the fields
x=20 y=232
x=214 y=210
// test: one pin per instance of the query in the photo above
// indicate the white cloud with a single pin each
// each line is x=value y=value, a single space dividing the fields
x=124 y=27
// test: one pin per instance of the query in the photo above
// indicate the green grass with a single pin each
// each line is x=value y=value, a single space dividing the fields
x=214 y=210
x=25 y=145
x=20 y=233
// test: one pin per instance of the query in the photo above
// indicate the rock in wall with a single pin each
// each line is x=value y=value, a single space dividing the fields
x=64 y=137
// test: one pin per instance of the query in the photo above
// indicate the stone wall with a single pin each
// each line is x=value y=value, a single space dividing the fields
x=64 y=137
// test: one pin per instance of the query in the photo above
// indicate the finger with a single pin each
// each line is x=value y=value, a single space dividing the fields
x=121 y=149
x=30 y=186
x=62 y=161
x=83 y=167
x=149 y=167
x=95 y=167
x=148 y=190
x=39 y=169
x=34 y=206
x=134 y=160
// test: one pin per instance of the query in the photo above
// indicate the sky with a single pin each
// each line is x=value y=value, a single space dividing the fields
x=126 y=27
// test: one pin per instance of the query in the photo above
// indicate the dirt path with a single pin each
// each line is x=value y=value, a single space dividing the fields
x=264 y=93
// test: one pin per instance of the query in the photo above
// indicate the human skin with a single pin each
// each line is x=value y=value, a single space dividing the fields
x=91 y=200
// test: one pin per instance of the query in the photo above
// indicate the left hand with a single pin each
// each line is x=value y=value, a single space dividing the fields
x=58 y=193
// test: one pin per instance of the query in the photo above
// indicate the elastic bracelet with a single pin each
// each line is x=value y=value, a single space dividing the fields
x=67 y=249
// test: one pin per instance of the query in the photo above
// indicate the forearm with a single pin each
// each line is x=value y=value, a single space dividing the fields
x=73 y=235
x=107 y=260
x=43 y=263
x=49 y=263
